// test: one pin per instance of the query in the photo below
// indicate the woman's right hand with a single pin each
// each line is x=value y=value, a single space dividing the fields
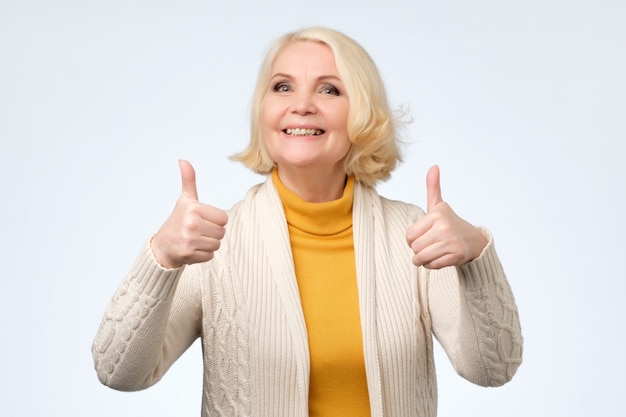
x=193 y=231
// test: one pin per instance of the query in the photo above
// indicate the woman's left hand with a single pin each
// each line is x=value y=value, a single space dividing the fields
x=441 y=238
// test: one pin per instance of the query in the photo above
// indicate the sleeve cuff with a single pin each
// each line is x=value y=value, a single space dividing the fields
x=483 y=270
x=157 y=281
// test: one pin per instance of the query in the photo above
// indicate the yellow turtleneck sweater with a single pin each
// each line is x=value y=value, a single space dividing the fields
x=323 y=255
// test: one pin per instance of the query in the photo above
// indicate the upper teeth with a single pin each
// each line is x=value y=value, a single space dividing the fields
x=304 y=132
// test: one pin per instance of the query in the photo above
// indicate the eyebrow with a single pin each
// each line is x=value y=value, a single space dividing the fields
x=320 y=78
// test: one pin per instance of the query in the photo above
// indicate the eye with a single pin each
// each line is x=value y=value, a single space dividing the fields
x=329 y=89
x=281 y=87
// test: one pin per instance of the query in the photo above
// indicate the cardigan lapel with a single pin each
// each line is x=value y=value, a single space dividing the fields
x=277 y=246
x=367 y=215
x=367 y=212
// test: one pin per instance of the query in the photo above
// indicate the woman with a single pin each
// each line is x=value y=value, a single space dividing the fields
x=314 y=295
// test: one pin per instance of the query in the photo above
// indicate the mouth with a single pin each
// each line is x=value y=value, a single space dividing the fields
x=303 y=132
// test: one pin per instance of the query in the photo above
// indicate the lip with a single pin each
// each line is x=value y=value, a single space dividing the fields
x=307 y=126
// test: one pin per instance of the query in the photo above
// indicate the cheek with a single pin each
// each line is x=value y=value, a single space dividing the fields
x=268 y=134
x=266 y=137
x=263 y=118
x=339 y=117
x=270 y=114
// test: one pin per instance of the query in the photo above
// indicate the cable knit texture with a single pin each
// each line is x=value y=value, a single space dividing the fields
x=245 y=306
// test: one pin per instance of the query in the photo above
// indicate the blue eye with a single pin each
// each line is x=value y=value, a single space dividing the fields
x=329 y=89
x=281 y=88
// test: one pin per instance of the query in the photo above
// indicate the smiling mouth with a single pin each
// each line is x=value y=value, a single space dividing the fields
x=303 y=132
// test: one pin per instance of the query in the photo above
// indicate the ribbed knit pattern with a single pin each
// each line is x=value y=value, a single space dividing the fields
x=246 y=307
x=323 y=254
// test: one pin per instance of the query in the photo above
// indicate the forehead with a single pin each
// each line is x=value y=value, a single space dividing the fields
x=310 y=57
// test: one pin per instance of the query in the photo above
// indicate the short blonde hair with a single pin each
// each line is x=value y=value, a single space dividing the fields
x=372 y=125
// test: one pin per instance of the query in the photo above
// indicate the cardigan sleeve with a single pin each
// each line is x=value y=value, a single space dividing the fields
x=475 y=318
x=151 y=320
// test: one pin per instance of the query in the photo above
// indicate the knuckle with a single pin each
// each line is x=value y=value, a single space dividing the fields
x=189 y=226
x=216 y=243
x=194 y=210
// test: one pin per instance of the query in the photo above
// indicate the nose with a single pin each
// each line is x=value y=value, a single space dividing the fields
x=303 y=103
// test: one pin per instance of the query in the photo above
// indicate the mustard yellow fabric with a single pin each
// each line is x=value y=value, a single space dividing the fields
x=323 y=254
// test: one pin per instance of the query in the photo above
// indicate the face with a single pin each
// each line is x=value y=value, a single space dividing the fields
x=305 y=110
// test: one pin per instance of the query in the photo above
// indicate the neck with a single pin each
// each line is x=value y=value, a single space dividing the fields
x=312 y=185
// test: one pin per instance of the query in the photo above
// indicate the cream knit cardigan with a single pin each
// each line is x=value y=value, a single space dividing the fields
x=245 y=306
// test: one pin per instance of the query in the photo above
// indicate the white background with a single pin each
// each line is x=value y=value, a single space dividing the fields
x=522 y=103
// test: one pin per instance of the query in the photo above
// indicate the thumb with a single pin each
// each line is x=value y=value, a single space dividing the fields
x=188 y=175
x=433 y=188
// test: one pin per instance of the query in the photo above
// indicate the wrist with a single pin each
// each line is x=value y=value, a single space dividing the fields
x=159 y=256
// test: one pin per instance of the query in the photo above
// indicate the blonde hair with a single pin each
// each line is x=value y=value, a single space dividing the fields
x=371 y=126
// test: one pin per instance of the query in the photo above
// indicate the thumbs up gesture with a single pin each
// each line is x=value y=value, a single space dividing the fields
x=193 y=231
x=441 y=238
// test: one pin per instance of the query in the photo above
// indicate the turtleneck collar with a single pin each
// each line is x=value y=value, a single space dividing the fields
x=320 y=219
